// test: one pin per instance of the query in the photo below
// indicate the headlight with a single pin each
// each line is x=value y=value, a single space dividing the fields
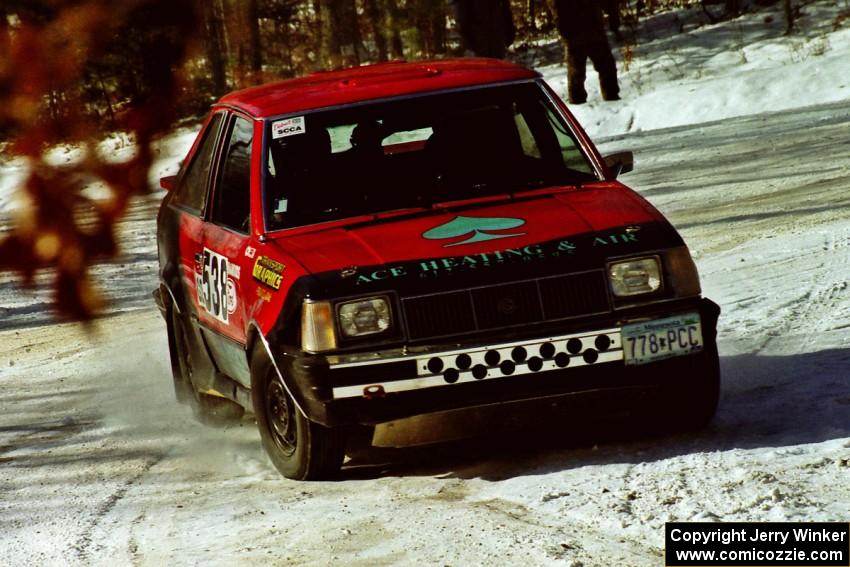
x=363 y=317
x=635 y=277
x=317 y=327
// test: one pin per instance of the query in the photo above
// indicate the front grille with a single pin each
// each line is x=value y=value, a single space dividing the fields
x=506 y=305
x=578 y=294
x=439 y=315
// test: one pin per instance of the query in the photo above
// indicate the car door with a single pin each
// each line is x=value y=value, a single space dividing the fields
x=226 y=240
x=187 y=208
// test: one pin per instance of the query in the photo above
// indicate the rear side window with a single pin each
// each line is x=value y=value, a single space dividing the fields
x=192 y=191
x=233 y=196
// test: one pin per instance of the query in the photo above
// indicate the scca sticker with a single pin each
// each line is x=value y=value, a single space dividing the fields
x=288 y=127
x=268 y=272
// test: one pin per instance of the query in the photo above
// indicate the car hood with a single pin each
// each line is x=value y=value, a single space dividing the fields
x=469 y=229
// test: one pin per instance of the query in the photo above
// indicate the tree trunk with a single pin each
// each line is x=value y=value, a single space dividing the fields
x=349 y=29
x=789 y=16
x=392 y=24
x=417 y=18
x=213 y=41
x=255 y=55
x=5 y=32
x=438 y=27
x=329 y=56
x=373 y=14
x=340 y=33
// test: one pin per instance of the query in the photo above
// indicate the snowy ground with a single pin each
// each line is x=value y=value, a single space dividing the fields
x=683 y=71
x=98 y=464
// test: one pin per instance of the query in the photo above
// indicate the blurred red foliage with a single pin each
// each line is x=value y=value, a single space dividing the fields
x=45 y=51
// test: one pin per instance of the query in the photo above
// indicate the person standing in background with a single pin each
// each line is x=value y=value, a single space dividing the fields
x=486 y=26
x=582 y=26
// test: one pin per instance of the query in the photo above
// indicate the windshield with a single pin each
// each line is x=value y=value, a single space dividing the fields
x=415 y=152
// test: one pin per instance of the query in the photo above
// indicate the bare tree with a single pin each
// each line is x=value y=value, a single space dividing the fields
x=213 y=41
x=340 y=33
x=373 y=15
x=392 y=24
x=255 y=57
x=789 y=16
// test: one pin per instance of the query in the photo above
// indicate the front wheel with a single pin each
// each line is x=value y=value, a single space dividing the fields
x=298 y=448
x=693 y=404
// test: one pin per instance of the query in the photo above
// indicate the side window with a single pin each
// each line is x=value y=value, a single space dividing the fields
x=571 y=154
x=233 y=195
x=526 y=138
x=192 y=191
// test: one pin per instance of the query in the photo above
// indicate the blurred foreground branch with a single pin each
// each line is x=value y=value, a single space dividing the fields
x=50 y=52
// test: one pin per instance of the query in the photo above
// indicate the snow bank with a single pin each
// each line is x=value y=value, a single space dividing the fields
x=712 y=72
x=168 y=151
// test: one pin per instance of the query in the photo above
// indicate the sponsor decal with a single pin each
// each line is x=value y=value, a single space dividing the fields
x=212 y=286
x=609 y=239
x=264 y=294
x=288 y=127
x=231 y=296
x=250 y=252
x=203 y=299
x=234 y=270
x=479 y=229
x=268 y=272
x=439 y=267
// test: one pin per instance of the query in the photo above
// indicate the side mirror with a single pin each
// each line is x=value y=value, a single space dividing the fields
x=167 y=183
x=619 y=163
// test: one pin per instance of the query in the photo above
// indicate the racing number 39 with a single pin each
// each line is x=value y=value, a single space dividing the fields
x=213 y=297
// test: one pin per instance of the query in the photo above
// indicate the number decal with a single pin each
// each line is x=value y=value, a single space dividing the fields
x=216 y=295
x=213 y=293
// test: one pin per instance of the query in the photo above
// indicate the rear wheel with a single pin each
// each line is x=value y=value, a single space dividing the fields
x=210 y=410
x=298 y=448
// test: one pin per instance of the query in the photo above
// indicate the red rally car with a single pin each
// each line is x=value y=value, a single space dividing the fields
x=420 y=251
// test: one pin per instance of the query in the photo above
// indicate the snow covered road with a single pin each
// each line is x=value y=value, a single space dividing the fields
x=99 y=466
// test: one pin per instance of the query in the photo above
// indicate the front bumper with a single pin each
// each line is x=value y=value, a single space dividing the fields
x=564 y=369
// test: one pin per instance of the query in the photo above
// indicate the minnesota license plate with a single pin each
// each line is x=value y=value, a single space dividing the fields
x=662 y=338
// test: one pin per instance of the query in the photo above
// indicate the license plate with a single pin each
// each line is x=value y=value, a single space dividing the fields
x=662 y=338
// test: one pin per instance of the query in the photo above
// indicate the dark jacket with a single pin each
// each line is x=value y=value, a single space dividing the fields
x=580 y=21
x=486 y=26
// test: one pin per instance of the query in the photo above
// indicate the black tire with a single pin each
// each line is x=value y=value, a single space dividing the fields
x=694 y=405
x=209 y=410
x=176 y=335
x=299 y=448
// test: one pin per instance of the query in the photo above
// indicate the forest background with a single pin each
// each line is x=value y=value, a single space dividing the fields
x=73 y=72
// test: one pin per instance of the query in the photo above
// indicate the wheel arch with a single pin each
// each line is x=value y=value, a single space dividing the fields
x=256 y=343
x=168 y=298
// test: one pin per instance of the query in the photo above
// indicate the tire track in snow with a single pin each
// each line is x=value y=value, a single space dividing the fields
x=83 y=545
x=825 y=290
